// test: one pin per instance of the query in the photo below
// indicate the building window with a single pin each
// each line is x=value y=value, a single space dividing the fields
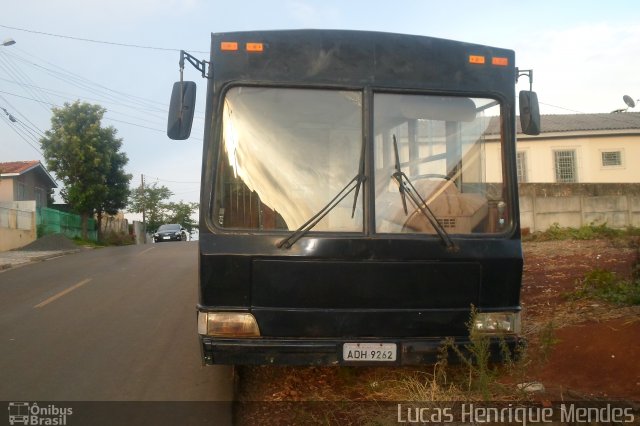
x=611 y=158
x=521 y=165
x=565 y=164
x=40 y=200
x=21 y=191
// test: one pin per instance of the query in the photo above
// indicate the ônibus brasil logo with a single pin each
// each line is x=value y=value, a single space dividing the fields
x=27 y=413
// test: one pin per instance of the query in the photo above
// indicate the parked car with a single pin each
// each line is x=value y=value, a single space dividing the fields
x=170 y=232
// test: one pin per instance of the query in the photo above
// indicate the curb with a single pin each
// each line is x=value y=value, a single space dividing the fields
x=32 y=259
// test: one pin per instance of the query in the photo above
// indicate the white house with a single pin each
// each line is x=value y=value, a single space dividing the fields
x=582 y=148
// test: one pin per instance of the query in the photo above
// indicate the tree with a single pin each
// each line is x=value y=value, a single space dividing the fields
x=150 y=200
x=85 y=157
x=181 y=213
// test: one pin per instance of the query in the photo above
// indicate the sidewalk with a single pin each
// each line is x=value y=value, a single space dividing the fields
x=11 y=259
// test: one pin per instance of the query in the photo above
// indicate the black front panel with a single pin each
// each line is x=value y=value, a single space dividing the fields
x=363 y=299
x=364 y=285
x=323 y=323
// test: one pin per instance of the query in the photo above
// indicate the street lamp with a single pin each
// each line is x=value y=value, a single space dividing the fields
x=8 y=42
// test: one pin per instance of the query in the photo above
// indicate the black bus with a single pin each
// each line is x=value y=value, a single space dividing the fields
x=359 y=196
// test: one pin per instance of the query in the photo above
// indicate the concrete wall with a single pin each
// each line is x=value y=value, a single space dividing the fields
x=17 y=224
x=576 y=205
x=117 y=224
x=138 y=232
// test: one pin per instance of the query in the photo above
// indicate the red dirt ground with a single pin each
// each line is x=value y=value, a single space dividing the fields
x=597 y=354
x=601 y=360
x=598 y=349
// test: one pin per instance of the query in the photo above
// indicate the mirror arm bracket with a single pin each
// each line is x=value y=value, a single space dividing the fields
x=527 y=73
x=200 y=65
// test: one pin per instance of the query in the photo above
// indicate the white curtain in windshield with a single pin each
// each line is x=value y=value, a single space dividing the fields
x=285 y=154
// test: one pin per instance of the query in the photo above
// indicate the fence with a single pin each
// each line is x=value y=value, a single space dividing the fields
x=578 y=204
x=17 y=224
x=51 y=221
x=16 y=219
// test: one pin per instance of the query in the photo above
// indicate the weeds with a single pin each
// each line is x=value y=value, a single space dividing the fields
x=476 y=358
x=87 y=243
x=117 y=239
x=586 y=232
x=605 y=285
x=547 y=341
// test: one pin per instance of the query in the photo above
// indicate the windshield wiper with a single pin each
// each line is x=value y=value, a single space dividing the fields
x=398 y=176
x=406 y=188
x=361 y=176
x=313 y=221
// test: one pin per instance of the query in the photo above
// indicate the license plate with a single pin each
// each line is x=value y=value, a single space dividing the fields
x=166 y=238
x=369 y=352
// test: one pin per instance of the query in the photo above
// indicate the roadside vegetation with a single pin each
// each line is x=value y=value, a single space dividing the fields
x=605 y=285
x=586 y=232
x=153 y=201
x=601 y=283
x=109 y=239
x=87 y=158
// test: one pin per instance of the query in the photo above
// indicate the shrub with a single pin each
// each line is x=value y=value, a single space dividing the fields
x=605 y=285
x=586 y=232
x=118 y=239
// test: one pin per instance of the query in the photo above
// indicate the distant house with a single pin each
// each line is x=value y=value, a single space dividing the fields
x=582 y=148
x=580 y=170
x=24 y=181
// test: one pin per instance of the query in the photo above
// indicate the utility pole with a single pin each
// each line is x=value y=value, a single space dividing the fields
x=144 y=205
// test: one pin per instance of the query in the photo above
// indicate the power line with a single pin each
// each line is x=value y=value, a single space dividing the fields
x=20 y=133
x=137 y=46
x=90 y=86
x=26 y=97
x=172 y=181
x=19 y=76
x=106 y=118
x=106 y=94
x=19 y=113
x=71 y=98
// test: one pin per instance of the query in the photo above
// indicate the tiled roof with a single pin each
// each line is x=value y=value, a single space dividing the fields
x=593 y=122
x=580 y=123
x=17 y=167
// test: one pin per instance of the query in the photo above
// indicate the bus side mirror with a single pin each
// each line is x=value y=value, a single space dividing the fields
x=529 y=113
x=181 y=109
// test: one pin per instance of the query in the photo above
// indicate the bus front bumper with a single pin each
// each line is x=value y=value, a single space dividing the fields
x=330 y=351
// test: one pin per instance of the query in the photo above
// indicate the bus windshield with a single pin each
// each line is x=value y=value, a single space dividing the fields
x=447 y=147
x=285 y=154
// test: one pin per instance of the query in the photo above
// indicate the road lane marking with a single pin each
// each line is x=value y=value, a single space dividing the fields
x=143 y=252
x=51 y=258
x=62 y=293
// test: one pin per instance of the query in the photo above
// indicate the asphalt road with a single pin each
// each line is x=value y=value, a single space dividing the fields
x=111 y=324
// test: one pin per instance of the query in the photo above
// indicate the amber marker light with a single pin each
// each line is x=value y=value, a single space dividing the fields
x=500 y=62
x=476 y=59
x=255 y=47
x=229 y=46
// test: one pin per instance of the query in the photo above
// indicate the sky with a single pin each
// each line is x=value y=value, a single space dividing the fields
x=585 y=56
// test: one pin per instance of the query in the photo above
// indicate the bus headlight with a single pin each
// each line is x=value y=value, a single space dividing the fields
x=497 y=322
x=227 y=324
